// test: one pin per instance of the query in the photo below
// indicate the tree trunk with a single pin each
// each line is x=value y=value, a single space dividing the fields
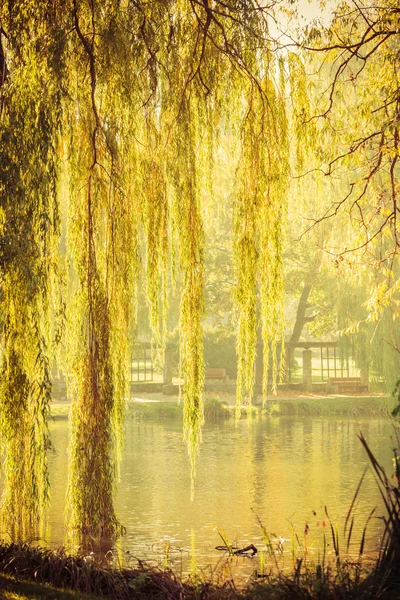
x=301 y=320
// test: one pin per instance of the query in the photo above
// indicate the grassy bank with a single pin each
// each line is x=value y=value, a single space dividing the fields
x=363 y=406
x=12 y=589
x=30 y=573
x=215 y=408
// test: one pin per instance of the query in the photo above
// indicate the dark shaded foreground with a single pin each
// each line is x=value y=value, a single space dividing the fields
x=21 y=563
x=11 y=589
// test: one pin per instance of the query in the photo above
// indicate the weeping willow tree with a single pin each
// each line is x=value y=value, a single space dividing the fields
x=133 y=97
x=103 y=242
x=30 y=105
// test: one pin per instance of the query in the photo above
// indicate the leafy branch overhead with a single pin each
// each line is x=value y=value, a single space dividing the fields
x=354 y=81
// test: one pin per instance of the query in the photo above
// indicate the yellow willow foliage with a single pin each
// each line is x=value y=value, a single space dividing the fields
x=148 y=92
x=156 y=224
x=103 y=242
x=300 y=109
x=272 y=225
x=29 y=119
x=191 y=242
x=260 y=208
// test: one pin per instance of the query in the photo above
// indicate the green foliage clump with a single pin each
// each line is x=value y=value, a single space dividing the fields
x=259 y=217
x=30 y=111
x=215 y=408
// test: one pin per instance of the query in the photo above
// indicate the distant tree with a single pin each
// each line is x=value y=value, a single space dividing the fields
x=347 y=117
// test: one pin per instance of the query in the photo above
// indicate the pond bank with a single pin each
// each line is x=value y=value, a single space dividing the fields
x=155 y=406
x=29 y=573
x=15 y=589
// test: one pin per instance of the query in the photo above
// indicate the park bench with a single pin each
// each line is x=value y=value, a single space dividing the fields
x=340 y=385
x=216 y=373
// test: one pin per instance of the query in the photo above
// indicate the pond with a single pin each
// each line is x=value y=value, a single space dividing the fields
x=280 y=470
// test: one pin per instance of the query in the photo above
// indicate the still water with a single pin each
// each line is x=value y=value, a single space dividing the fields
x=283 y=469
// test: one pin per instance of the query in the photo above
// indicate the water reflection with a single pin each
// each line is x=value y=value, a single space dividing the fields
x=285 y=468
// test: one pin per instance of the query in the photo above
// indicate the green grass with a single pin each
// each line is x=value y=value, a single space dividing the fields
x=158 y=411
x=10 y=589
x=331 y=406
x=215 y=408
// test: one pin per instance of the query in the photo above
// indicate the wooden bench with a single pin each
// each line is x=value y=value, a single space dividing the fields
x=340 y=385
x=216 y=373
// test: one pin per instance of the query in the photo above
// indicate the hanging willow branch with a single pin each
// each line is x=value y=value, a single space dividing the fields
x=29 y=224
x=104 y=239
x=259 y=220
x=191 y=241
x=148 y=90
